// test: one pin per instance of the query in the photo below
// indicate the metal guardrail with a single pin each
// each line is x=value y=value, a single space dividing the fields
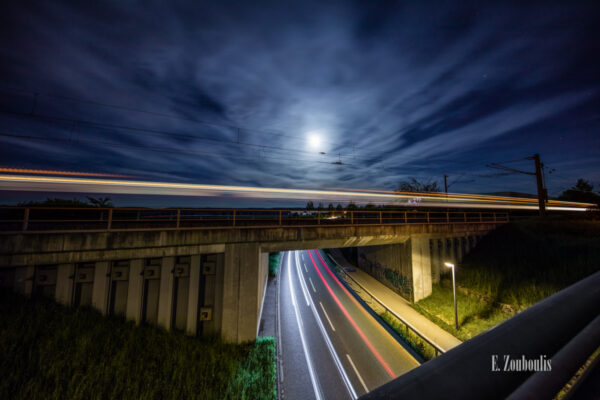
x=437 y=348
x=25 y=219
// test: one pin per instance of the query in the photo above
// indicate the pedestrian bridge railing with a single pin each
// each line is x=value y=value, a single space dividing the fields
x=34 y=219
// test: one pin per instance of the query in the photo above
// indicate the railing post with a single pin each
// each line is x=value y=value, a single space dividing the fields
x=110 y=215
x=351 y=217
x=178 y=217
x=465 y=217
x=480 y=217
x=280 y=217
x=234 y=217
x=447 y=217
x=494 y=216
x=405 y=217
x=26 y=219
x=381 y=217
x=427 y=216
x=318 y=217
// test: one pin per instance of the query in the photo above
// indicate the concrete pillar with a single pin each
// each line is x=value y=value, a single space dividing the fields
x=64 y=283
x=241 y=292
x=133 y=311
x=421 y=267
x=449 y=250
x=165 y=305
x=435 y=261
x=24 y=280
x=194 y=293
x=458 y=245
x=101 y=286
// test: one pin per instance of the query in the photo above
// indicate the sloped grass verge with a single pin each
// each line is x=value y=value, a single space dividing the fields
x=52 y=352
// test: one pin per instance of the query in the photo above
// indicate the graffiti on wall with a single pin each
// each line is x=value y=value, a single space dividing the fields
x=388 y=276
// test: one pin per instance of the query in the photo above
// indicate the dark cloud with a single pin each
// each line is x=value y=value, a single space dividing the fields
x=394 y=89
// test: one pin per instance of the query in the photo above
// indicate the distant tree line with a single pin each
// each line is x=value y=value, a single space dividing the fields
x=101 y=202
x=582 y=192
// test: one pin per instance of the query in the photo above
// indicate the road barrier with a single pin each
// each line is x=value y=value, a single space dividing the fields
x=437 y=349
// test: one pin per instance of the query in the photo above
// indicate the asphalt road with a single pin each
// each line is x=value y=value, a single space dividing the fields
x=331 y=347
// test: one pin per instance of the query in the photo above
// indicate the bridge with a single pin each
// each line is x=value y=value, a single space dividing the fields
x=204 y=271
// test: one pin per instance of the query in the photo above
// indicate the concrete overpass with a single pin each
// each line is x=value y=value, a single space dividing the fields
x=205 y=271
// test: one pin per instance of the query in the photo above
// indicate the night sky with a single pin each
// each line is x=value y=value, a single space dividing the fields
x=230 y=93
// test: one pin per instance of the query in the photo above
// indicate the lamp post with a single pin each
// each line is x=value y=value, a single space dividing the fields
x=450 y=265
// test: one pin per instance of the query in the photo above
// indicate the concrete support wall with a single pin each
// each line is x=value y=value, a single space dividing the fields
x=24 y=279
x=64 y=283
x=242 y=296
x=194 y=296
x=436 y=261
x=421 y=267
x=134 y=295
x=165 y=306
x=101 y=286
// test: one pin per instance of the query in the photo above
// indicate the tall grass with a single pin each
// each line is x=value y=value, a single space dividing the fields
x=49 y=351
x=274 y=263
x=517 y=265
x=522 y=263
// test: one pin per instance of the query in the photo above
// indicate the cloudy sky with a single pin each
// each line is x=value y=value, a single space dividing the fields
x=231 y=92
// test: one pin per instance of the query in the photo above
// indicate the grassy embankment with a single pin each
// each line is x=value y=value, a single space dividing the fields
x=50 y=351
x=274 y=263
x=512 y=268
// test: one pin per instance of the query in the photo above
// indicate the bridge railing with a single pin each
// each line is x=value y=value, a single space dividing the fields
x=14 y=219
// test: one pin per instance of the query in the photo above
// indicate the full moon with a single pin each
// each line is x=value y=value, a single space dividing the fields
x=314 y=141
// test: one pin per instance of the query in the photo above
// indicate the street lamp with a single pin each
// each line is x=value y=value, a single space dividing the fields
x=450 y=265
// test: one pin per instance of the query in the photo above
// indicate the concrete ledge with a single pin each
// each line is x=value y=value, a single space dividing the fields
x=58 y=248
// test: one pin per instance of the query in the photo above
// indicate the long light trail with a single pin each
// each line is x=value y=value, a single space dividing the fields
x=114 y=186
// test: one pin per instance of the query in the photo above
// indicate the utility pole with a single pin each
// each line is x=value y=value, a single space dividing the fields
x=540 y=185
x=446 y=183
x=538 y=176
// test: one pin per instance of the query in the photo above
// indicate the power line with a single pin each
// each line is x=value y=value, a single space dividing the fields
x=81 y=122
x=154 y=149
x=156 y=113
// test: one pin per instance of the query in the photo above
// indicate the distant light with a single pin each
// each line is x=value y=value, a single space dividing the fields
x=314 y=141
x=449 y=265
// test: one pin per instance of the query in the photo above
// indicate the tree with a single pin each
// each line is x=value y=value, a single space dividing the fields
x=351 y=206
x=330 y=207
x=320 y=206
x=310 y=206
x=582 y=192
x=339 y=207
x=100 y=202
x=413 y=185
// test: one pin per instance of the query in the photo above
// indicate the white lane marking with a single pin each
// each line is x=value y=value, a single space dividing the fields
x=327 y=316
x=311 y=371
x=302 y=283
x=357 y=374
x=336 y=359
x=311 y=284
x=279 y=338
x=305 y=267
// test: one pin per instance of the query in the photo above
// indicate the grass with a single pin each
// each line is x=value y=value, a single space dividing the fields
x=50 y=351
x=474 y=316
x=422 y=348
x=517 y=265
x=274 y=263
x=522 y=263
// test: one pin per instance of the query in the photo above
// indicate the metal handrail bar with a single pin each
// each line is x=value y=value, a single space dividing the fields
x=437 y=348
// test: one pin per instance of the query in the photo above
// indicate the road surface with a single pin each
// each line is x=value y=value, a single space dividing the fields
x=331 y=347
